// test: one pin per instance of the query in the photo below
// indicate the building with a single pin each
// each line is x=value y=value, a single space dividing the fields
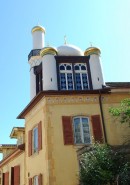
x=69 y=109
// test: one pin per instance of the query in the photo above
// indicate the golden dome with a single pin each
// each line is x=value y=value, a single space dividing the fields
x=38 y=28
x=48 y=50
x=92 y=50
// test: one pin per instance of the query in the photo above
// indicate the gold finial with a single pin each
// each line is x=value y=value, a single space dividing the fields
x=65 y=39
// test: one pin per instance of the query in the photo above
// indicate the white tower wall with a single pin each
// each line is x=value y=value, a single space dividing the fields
x=96 y=71
x=38 y=39
x=49 y=72
x=34 y=61
x=32 y=84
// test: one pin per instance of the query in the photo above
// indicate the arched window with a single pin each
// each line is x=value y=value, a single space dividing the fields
x=81 y=130
x=66 y=77
x=81 y=76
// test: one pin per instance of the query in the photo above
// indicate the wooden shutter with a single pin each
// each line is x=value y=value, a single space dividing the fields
x=6 y=178
x=40 y=179
x=40 y=136
x=17 y=175
x=67 y=130
x=30 y=143
x=12 y=175
x=30 y=181
x=97 y=128
x=3 y=178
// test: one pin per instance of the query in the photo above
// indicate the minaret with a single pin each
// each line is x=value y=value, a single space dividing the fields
x=34 y=57
x=38 y=37
x=95 y=67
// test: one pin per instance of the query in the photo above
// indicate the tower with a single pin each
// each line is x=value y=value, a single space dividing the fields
x=63 y=68
x=34 y=57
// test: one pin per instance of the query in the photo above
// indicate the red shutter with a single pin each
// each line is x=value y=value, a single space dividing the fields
x=67 y=130
x=6 y=178
x=30 y=143
x=30 y=181
x=40 y=136
x=17 y=175
x=3 y=178
x=97 y=128
x=12 y=175
x=40 y=179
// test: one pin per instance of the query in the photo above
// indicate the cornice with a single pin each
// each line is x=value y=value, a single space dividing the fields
x=42 y=94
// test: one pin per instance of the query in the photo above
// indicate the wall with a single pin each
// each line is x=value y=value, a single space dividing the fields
x=19 y=160
x=56 y=161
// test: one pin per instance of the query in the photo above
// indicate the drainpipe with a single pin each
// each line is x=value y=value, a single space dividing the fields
x=102 y=116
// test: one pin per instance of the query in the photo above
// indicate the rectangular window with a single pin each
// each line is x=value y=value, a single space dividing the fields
x=39 y=80
x=76 y=130
x=35 y=180
x=81 y=130
x=35 y=140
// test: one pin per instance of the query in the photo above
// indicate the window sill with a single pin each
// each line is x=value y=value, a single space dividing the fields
x=79 y=146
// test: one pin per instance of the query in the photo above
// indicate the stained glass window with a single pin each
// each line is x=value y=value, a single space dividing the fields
x=66 y=77
x=73 y=76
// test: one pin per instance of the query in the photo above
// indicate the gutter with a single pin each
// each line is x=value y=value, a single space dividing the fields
x=102 y=116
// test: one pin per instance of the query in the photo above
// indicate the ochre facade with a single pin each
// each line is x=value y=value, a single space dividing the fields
x=69 y=110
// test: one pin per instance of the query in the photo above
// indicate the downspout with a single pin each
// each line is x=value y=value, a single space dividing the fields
x=102 y=116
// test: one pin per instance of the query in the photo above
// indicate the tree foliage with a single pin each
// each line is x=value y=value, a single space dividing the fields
x=103 y=165
x=122 y=112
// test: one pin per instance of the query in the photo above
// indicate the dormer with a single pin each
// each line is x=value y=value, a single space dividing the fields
x=19 y=134
x=7 y=149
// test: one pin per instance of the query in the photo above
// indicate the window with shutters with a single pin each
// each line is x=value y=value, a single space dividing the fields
x=35 y=180
x=81 y=130
x=6 y=178
x=76 y=130
x=35 y=139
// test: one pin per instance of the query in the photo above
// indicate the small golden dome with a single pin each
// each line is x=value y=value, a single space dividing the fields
x=38 y=28
x=48 y=50
x=92 y=50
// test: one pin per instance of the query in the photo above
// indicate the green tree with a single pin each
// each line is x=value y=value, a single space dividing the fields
x=103 y=165
x=122 y=113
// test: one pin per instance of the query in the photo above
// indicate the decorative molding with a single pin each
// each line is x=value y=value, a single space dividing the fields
x=73 y=99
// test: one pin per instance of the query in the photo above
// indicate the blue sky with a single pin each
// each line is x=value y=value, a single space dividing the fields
x=104 y=23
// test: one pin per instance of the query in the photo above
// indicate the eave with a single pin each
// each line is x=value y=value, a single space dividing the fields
x=7 y=146
x=15 y=131
x=20 y=149
x=43 y=94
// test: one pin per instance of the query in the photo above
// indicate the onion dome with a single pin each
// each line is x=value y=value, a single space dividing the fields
x=92 y=50
x=69 y=50
x=38 y=28
x=48 y=50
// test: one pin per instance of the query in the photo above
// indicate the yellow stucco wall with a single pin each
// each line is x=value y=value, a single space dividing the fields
x=37 y=163
x=56 y=161
x=19 y=160
x=117 y=133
